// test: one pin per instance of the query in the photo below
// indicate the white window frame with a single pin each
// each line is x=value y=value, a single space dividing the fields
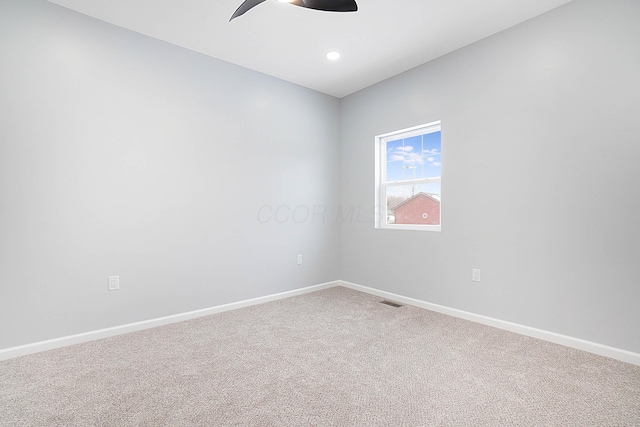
x=381 y=184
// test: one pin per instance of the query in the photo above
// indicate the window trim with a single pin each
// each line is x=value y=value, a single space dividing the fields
x=381 y=172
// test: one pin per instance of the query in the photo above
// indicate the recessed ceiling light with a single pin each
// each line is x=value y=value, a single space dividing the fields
x=333 y=56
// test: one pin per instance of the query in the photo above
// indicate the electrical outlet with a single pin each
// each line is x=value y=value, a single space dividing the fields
x=299 y=259
x=114 y=283
x=475 y=274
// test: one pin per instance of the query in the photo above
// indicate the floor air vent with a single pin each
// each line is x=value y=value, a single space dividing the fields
x=391 y=303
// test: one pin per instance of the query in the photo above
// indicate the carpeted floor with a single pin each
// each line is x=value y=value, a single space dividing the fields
x=336 y=357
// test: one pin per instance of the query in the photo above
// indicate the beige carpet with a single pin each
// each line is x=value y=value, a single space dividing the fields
x=335 y=357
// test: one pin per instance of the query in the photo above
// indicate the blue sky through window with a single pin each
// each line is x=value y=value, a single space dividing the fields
x=416 y=157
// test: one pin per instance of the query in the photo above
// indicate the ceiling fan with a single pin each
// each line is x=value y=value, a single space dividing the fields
x=326 y=5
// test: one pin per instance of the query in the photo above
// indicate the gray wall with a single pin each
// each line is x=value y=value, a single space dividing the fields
x=123 y=155
x=541 y=156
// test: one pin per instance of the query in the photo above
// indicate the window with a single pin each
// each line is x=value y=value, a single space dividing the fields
x=408 y=178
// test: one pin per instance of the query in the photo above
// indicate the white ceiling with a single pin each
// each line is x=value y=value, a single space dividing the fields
x=383 y=38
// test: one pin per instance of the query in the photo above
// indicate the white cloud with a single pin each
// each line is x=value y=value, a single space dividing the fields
x=405 y=148
x=405 y=153
x=414 y=159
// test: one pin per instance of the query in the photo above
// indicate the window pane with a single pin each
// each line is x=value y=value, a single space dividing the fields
x=395 y=160
x=431 y=145
x=413 y=204
x=412 y=158
x=413 y=163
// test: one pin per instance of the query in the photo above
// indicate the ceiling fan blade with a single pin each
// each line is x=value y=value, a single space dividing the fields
x=328 y=5
x=244 y=7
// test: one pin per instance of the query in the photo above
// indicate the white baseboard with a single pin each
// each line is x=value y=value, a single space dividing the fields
x=37 y=347
x=591 y=347
x=600 y=349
